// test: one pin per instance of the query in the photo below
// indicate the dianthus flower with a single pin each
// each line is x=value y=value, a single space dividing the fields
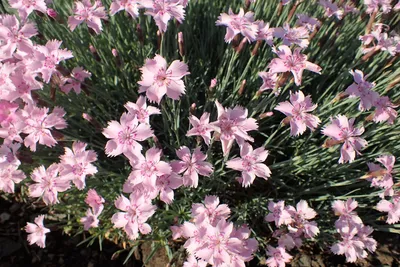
x=14 y=36
x=192 y=165
x=310 y=23
x=39 y=123
x=239 y=23
x=292 y=36
x=191 y=261
x=346 y=213
x=166 y=184
x=23 y=88
x=130 y=6
x=233 y=124
x=380 y=41
x=294 y=62
x=392 y=208
x=124 y=136
x=91 y=220
x=37 y=232
x=373 y=6
x=78 y=75
x=46 y=58
x=136 y=211
x=141 y=110
x=278 y=213
x=9 y=176
x=48 y=183
x=163 y=11
x=250 y=164
x=211 y=212
x=95 y=201
x=380 y=177
x=6 y=84
x=277 y=257
x=158 y=80
x=342 y=130
x=362 y=88
x=265 y=33
x=8 y=155
x=331 y=9
x=76 y=164
x=8 y=111
x=26 y=7
x=201 y=127
x=296 y=110
x=384 y=110
x=350 y=246
x=92 y=14
x=12 y=129
x=269 y=80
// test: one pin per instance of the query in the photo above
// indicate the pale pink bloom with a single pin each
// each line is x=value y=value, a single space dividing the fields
x=158 y=80
x=192 y=165
x=26 y=7
x=278 y=213
x=392 y=208
x=292 y=36
x=250 y=164
x=362 y=88
x=48 y=183
x=397 y=6
x=297 y=111
x=76 y=164
x=303 y=211
x=46 y=58
x=91 y=14
x=166 y=184
x=8 y=111
x=349 y=8
x=384 y=110
x=52 y=13
x=130 y=6
x=269 y=80
x=351 y=247
x=141 y=110
x=145 y=170
x=163 y=11
x=211 y=212
x=8 y=155
x=382 y=177
x=380 y=40
x=265 y=33
x=136 y=210
x=78 y=75
x=201 y=127
x=14 y=36
x=346 y=213
x=124 y=136
x=95 y=201
x=176 y=231
x=6 y=84
x=342 y=130
x=363 y=235
x=331 y=9
x=239 y=23
x=310 y=23
x=233 y=124
x=11 y=130
x=373 y=6
x=9 y=176
x=277 y=257
x=37 y=232
x=294 y=62
x=23 y=88
x=90 y=220
x=39 y=123
x=191 y=261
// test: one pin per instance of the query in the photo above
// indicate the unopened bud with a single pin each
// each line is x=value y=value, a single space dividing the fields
x=94 y=52
x=239 y=48
x=140 y=33
x=181 y=44
x=213 y=83
x=242 y=86
x=192 y=108
x=52 y=13
x=159 y=39
x=114 y=52
x=266 y=115
x=256 y=47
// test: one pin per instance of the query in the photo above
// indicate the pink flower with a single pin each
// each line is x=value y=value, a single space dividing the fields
x=48 y=184
x=124 y=136
x=95 y=201
x=233 y=124
x=213 y=83
x=380 y=40
x=166 y=184
x=269 y=80
x=78 y=75
x=239 y=23
x=392 y=208
x=295 y=63
x=6 y=84
x=163 y=11
x=141 y=110
x=331 y=9
x=191 y=261
x=8 y=111
x=373 y=6
x=37 y=232
x=130 y=6
x=90 y=220
x=346 y=213
x=201 y=127
x=76 y=164
x=361 y=88
x=147 y=169
x=8 y=155
x=351 y=247
x=136 y=210
x=39 y=123
x=9 y=176
x=265 y=33
x=342 y=130
x=278 y=213
x=277 y=257
x=191 y=166
x=384 y=110
x=46 y=58
x=297 y=36
x=52 y=13
x=296 y=110
x=363 y=236
x=250 y=164
x=11 y=129
x=15 y=37
x=26 y=7
x=23 y=88
x=381 y=177
x=397 y=6
x=84 y=11
x=211 y=212
x=158 y=80
x=310 y=23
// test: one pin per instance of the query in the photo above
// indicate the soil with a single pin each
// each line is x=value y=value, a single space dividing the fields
x=62 y=250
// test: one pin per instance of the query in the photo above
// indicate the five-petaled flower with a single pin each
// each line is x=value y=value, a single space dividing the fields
x=37 y=232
